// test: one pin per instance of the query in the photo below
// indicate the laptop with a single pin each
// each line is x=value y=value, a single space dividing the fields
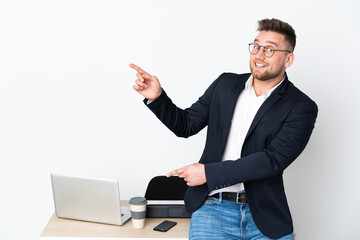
x=88 y=199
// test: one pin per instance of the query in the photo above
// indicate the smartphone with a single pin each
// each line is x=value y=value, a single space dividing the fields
x=164 y=226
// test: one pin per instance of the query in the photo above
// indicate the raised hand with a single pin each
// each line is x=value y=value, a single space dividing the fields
x=145 y=84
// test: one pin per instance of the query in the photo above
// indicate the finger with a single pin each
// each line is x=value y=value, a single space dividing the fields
x=140 y=77
x=140 y=83
x=148 y=76
x=170 y=174
x=174 y=172
x=137 y=68
x=181 y=175
x=138 y=88
x=191 y=183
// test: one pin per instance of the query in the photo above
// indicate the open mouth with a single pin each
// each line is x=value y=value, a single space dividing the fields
x=260 y=65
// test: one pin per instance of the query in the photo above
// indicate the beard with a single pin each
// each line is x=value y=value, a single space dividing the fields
x=267 y=75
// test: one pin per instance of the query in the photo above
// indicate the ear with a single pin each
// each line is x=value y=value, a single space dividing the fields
x=289 y=60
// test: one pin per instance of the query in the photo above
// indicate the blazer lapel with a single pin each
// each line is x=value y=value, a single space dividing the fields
x=274 y=97
x=230 y=108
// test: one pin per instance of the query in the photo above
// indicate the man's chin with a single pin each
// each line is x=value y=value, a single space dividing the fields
x=261 y=77
x=265 y=76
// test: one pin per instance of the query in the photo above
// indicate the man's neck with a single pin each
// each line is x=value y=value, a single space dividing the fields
x=261 y=87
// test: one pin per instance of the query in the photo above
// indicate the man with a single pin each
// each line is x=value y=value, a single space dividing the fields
x=258 y=124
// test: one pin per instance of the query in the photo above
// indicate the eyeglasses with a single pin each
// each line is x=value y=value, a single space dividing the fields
x=269 y=51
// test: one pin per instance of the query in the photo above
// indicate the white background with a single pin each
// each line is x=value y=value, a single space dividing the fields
x=67 y=103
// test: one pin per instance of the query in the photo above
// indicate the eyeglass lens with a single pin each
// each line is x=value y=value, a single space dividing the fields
x=255 y=48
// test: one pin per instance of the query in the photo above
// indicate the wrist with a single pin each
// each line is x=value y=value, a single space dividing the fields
x=156 y=96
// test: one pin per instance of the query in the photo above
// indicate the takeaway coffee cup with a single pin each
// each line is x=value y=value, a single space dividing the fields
x=138 y=211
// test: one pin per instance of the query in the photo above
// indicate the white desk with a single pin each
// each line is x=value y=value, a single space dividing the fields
x=65 y=229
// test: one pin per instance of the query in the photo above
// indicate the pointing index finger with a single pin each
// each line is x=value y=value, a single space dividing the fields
x=174 y=172
x=137 y=68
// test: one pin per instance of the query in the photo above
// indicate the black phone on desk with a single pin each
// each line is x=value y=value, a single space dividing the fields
x=164 y=226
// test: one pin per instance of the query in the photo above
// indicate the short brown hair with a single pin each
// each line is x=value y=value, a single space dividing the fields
x=278 y=26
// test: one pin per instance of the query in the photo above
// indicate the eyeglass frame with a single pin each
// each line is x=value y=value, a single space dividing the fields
x=275 y=50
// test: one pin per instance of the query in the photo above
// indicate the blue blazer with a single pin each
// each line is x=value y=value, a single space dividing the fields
x=278 y=134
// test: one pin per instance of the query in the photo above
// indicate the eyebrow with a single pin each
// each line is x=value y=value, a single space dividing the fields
x=271 y=42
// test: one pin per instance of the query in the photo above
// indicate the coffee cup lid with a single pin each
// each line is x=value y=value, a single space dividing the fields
x=138 y=201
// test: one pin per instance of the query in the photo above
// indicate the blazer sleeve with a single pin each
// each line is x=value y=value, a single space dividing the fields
x=285 y=147
x=183 y=123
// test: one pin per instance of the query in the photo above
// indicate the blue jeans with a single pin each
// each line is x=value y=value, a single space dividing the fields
x=223 y=219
